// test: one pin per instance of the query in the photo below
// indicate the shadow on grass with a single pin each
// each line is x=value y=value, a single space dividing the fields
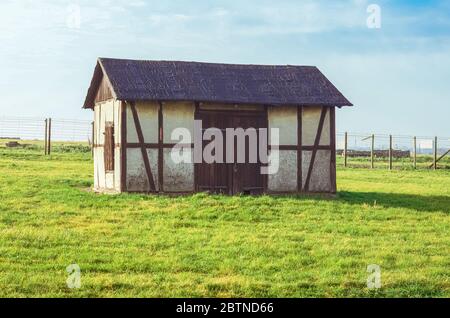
x=422 y=203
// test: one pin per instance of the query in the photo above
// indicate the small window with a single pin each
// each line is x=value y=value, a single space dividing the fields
x=109 y=146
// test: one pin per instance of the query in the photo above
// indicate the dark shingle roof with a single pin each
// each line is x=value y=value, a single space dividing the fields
x=133 y=80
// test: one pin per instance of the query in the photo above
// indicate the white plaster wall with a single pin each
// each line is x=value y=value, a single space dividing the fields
x=117 y=169
x=320 y=178
x=137 y=180
x=310 y=123
x=325 y=139
x=178 y=177
x=148 y=118
x=177 y=115
x=109 y=180
x=96 y=174
x=136 y=177
x=101 y=169
x=285 y=119
x=153 y=158
x=285 y=180
x=108 y=111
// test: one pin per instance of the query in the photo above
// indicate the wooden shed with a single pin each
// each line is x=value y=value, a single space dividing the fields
x=139 y=104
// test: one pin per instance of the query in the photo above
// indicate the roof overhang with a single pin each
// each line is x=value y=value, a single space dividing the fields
x=132 y=80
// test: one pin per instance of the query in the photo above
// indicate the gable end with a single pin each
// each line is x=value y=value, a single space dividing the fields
x=100 y=89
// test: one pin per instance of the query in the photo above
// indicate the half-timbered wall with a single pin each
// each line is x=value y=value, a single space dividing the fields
x=306 y=135
x=149 y=145
x=104 y=112
x=285 y=120
x=178 y=177
x=143 y=118
x=317 y=143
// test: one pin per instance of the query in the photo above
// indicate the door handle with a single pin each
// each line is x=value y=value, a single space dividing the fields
x=235 y=168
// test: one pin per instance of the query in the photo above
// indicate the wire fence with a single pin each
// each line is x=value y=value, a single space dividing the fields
x=392 y=151
x=353 y=149
x=33 y=129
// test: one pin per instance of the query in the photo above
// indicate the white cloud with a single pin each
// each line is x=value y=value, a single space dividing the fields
x=406 y=63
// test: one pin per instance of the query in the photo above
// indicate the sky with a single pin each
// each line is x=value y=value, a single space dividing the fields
x=397 y=75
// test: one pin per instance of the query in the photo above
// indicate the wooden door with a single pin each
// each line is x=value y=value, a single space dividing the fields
x=214 y=177
x=231 y=178
x=247 y=177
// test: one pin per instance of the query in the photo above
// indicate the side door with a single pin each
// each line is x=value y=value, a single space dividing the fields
x=247 y=177
x=214 y=177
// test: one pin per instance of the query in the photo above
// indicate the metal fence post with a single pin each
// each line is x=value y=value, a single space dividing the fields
x=345 y=149
x=415 y=152
x=435 y=152
x=49 y=142
x=390 y=152
x=45 y=136
x=372 y=153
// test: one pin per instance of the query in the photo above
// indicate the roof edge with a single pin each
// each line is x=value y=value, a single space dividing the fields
x=99 y=73
x=209 y=63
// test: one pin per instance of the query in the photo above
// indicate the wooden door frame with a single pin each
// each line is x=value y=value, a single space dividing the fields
x=233 y=113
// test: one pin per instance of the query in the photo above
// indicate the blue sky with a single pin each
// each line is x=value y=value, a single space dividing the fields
x=398 y=76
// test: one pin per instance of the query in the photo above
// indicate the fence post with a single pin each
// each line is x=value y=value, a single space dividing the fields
x=415 y=152
x=390 y=152
x=49 y=142
x=345 y=149
x=45 y=136
x=372 y=153
x=435 y=152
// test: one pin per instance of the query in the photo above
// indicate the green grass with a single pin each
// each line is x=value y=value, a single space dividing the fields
x=216 y=246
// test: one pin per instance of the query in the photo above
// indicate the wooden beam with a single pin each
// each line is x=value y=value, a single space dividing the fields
x=316 y=144
x=123 y=147
x=196 y=166
x=156 y=145
x=160 y=148
x=266 y=176
x=304 y=148
x=299 y=149
x=140 y=135
x=441 y=157
x=333 y=149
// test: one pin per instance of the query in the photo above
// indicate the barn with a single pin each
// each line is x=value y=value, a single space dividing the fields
x=139 y=106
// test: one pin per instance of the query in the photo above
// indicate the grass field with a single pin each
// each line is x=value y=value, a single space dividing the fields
x=215 y=246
